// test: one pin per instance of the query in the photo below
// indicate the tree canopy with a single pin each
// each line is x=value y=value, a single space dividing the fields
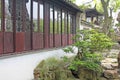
x=73 y=1
x=107 y=7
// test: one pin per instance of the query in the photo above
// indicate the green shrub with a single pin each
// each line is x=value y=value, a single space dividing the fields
x=90 y=61
x=88 y=42
x=54 y=69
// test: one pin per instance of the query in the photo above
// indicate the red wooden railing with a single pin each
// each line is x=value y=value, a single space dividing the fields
x=37 y=40
x=20 y=42
x=1 y=42
x=8 y=42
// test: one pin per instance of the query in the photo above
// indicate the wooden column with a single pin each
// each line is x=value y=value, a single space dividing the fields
x=1 y=32
x=46 y=25
x=31 y=23
x=14 y=23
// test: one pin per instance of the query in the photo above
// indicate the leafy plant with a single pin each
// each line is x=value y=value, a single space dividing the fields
x=88 y=42
x=85 y=64
x=65 y=58
x=90 y=61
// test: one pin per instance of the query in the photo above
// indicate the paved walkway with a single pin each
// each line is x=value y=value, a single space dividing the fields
x=21 y=67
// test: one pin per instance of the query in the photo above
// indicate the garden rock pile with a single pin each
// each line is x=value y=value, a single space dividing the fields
x=110 y=66
x=60 y=71
x=54 y=70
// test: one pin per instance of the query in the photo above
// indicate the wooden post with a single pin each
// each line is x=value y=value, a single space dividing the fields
x=46 y=25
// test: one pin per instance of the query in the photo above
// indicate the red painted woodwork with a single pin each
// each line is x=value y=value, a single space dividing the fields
x=46 y=25
x=57 y=40
x=73 y=41
x=8 y=42
x=41 y=41
x=51 y=40
x=37 y=40
x=27 y=41
x=20 y=41
x=70 y=39
x=1 y=43
x=64 y=39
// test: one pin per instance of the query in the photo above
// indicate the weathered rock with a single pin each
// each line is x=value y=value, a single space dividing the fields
x=119 y=76
x=72 y=79
x=102 y=78
x=116 y=79
x=109 y=60
x=116 y=48
x=118 y=70
x=61 y=72
x=111 y=74
x=85 y=74
x=36 y=74
x=119 y=60
x=107 y=66
x=50 y=75
x=114 y=65
x=53 y=71
x=113 y=79
x=109 y=63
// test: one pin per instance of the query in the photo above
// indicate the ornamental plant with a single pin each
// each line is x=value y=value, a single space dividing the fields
x=88 y=42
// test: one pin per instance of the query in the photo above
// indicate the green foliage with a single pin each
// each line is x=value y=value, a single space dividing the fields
x=35 y=25
x=96 y=57
x=114 y=4
x=118 y=25
x=54 y=69
x=88 y=42
x=73 y=1
x=51 y=26
x=84 y=7
x=89 y=61
x=51 y=62
x=65 y=58
x=68 y=49
x=92 y=41
x=85 y=64
x=41 y=25
x=106 y=7
x=98 y=5
x=57 y=28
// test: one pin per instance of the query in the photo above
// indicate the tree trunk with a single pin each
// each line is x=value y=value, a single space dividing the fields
x=118 y=18
x=106 y=16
